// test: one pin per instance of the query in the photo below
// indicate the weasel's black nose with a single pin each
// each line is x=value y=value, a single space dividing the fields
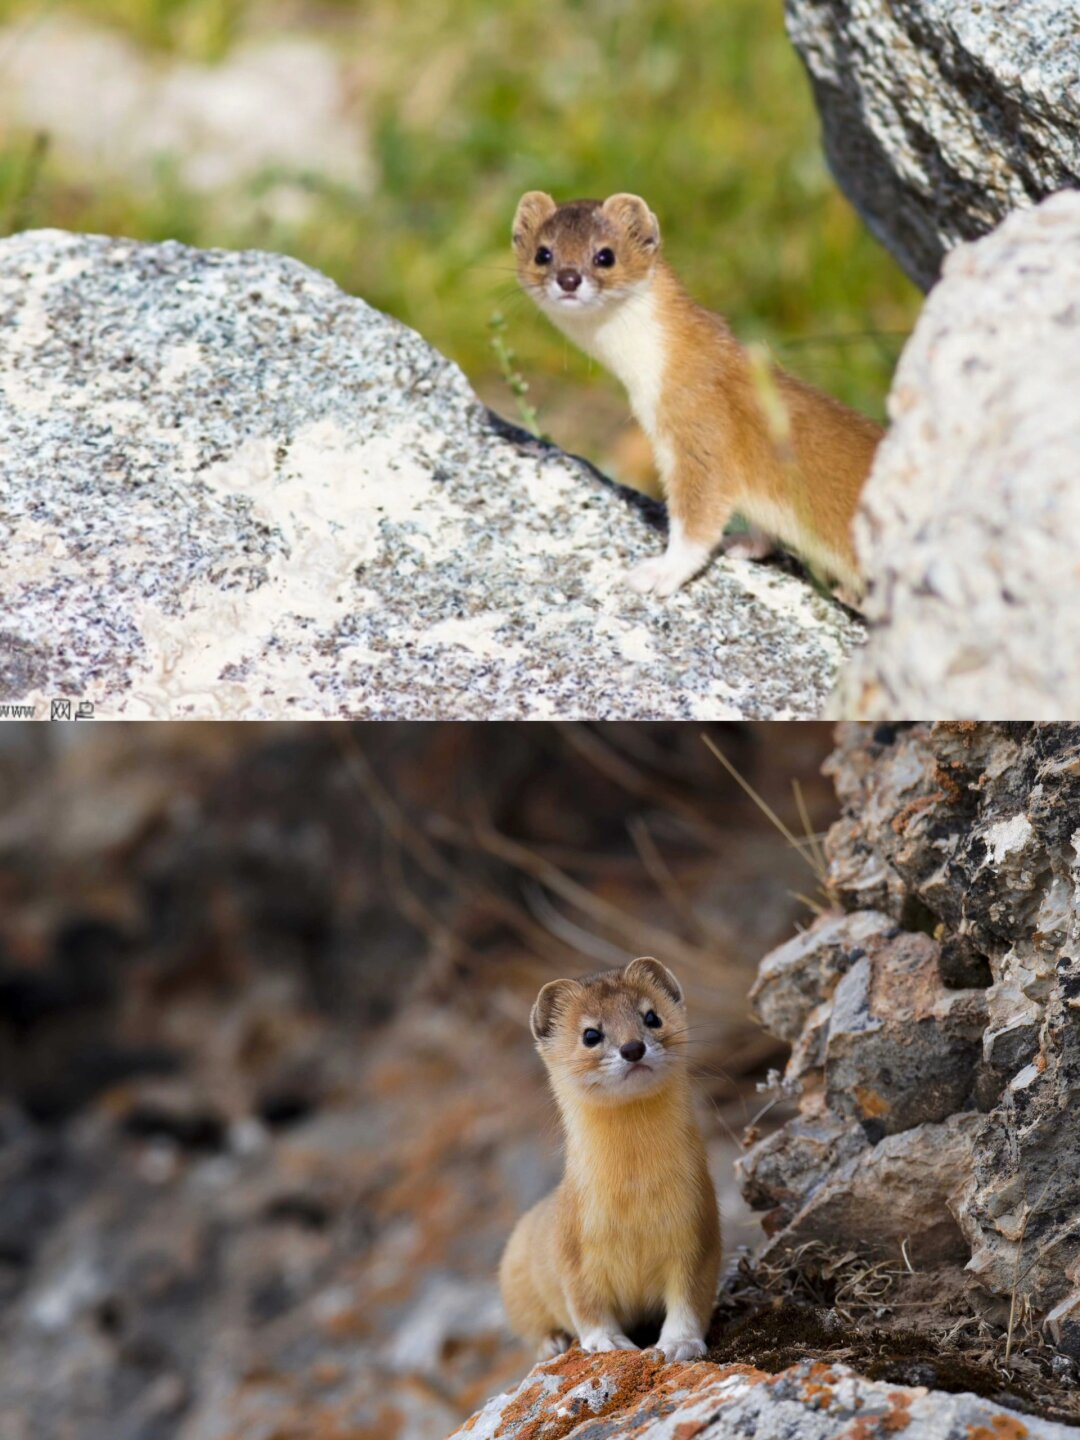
x=568 y=279
x=633 y=1050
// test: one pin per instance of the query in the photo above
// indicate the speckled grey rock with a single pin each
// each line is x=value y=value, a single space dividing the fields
x=939 y=117
x=228 y=489
x=934 y=1111
x=970 y=521
x=630 y=1393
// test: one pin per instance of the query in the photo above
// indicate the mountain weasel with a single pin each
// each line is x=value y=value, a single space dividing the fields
x=594 y=268
x=632 y=1233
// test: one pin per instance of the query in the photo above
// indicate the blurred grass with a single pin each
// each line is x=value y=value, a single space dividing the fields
x=700 y=105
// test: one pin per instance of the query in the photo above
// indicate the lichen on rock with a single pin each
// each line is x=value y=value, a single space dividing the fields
x=633 y=1394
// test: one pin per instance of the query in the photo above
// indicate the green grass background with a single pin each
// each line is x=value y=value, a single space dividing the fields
x=700 y=105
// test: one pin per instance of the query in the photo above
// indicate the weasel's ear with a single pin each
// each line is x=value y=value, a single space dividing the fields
x=533 y=209
x=646 y=968
x=631 y=214
x=549 y=1003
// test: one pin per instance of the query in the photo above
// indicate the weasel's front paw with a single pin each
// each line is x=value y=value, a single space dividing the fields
x=598 y=1340
x=675 y=1351
x=660 y=577
x=752 y=544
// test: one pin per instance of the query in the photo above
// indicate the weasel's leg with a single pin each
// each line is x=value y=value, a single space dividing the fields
x=688 y=1305
x=596 y=1327
x=754 y=544
x=698 y=510
x=605 y=1336
x=683 y=1335
x=680 y=562
x=555 y=1344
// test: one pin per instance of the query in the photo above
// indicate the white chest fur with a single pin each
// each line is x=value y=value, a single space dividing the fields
x=627 y=337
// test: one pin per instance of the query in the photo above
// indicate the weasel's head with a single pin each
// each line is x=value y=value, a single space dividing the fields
x=575 y=258
x=612 y=1037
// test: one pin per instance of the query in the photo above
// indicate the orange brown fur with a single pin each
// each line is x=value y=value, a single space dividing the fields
x=692 y=388
x=632 y=1233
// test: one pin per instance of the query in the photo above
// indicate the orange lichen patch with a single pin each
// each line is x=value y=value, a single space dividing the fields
x=878 y=1426
x=642 y=1387
x=871 y=1102
x=818 y=1382
x=689 y=1428
x=520 y=1406
x=1001 y=1427
x=899 y=1416
x=948 y=783
x=902 y=819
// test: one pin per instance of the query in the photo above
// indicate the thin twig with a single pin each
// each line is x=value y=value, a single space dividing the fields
x=811 y=836
x=574 y=936
x=763 y=805
x=631 y=778
x=638 y=935
x=661 y=875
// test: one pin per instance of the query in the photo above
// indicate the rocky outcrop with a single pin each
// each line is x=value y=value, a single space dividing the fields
x=940 y=119
x=230 y=490
x=628 y=1394
x=970 y=521
x=936 y=1022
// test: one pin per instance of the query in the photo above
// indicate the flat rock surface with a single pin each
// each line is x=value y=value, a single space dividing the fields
x=230 y=490
x=941 y=118
x=633 y=1394
x=970 y=521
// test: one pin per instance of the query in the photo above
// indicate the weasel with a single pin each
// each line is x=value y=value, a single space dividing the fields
x=632 y=1233
x=594 y=268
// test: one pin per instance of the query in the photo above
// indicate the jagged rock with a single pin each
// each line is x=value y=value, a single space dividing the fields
x=931 y=1112
x=900 y=1048
x=939 y=119
x=231 y=490
x=970 y=521
x=602 y=1397
x=796 y=977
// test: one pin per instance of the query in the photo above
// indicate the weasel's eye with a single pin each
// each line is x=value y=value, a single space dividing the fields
x=652 y=1019
x=592 y=1037
x=604 y=258
x=543 y=256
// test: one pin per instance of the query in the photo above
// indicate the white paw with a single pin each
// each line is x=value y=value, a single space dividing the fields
x=675 y=1351
x=751 y=544
x=658 y=577
x=599 y=1340
x=552 y=1346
